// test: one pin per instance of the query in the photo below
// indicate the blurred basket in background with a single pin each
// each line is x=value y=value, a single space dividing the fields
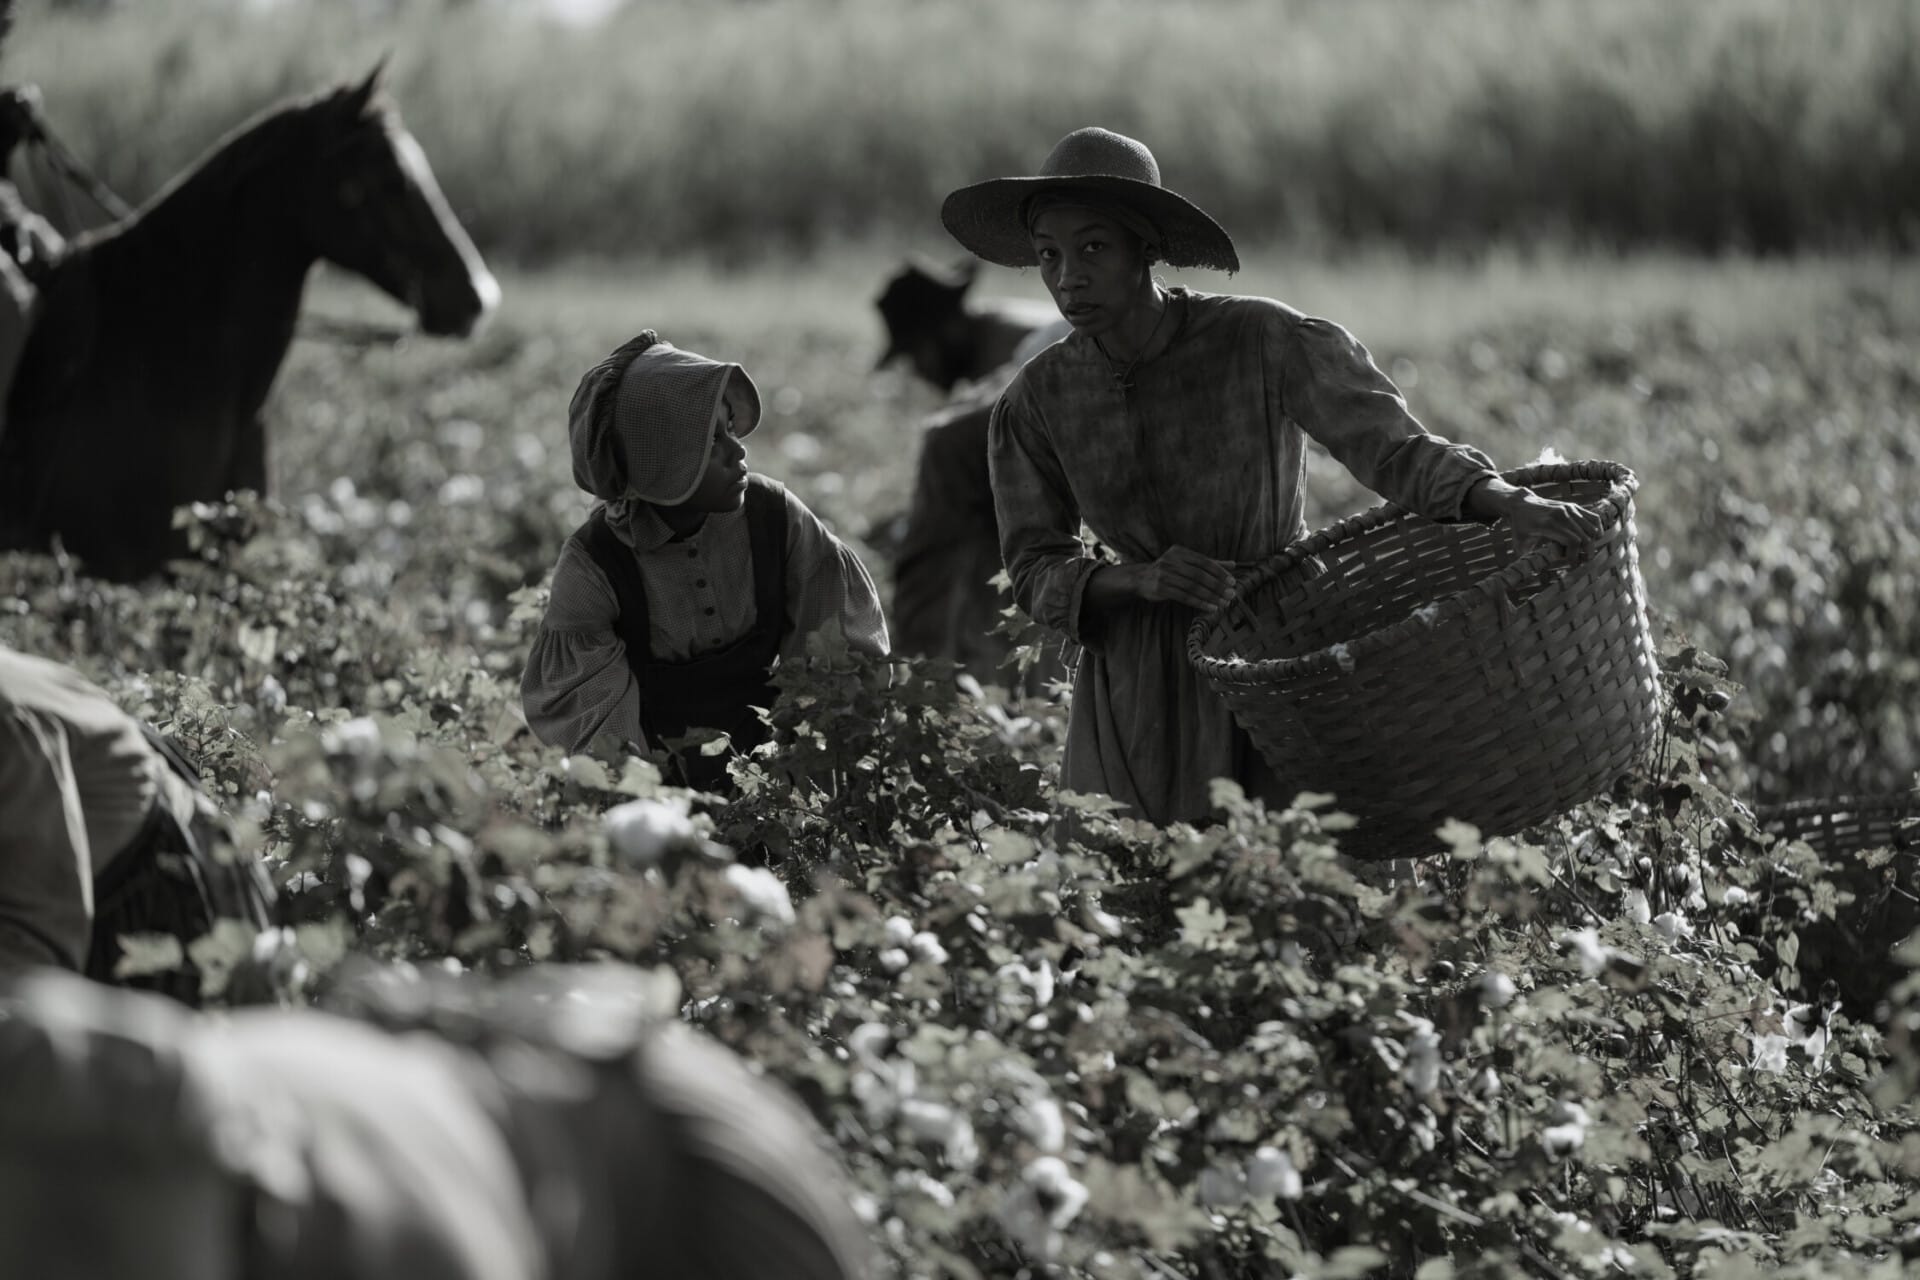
x=1420 y=671
x=1837 y=825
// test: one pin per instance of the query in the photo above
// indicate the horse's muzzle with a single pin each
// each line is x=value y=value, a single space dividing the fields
x=457 y=308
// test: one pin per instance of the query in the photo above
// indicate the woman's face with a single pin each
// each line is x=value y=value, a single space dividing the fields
x=1096 y=269
x=723 y=485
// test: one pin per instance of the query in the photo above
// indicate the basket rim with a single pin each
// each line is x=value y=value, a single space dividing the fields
x=1500 y=585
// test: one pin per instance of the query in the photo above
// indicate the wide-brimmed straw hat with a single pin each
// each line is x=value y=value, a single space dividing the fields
x=989 y=217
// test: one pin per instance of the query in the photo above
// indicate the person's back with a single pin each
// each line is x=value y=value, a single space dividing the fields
x=945 y=603
x=102 y=832
x=561 y=1124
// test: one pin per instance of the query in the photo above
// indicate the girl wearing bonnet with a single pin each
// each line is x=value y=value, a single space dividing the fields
x=692 y=578
x=1174 y=424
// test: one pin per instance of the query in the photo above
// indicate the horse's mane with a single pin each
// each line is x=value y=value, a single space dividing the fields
x=275 y=132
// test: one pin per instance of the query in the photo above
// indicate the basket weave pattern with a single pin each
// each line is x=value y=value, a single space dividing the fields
x=1838 y=825
x=1420 y=671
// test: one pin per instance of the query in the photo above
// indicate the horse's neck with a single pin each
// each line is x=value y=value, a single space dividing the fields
x=226 y=274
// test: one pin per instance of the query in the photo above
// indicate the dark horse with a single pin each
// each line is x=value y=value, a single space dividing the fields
x=159 y=336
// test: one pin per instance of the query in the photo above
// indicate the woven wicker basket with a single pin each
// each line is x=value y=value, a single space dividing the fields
x=1837 y=825
x=1420 y=671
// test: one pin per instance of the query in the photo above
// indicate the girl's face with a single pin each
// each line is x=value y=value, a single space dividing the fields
x=1096 y=269
x=723 y=485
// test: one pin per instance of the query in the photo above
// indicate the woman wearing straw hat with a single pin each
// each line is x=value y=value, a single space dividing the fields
x=1174 y=424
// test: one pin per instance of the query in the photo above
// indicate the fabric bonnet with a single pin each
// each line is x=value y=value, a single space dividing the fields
x=641 y=421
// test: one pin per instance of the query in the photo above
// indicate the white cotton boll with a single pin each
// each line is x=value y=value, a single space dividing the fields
x=927 y=947
x=894 y=959
x=1637 y=909
x=1057 y=1186
x=1043 y=983
x=899 y=931
x=1496 y=989
x=1427 y=614
x=876 y=1096
x=1342 y=657
x=1549 y=456
x=1041 y=1120
x=1021 y=985
x=272 y=694
x=1769 y=1054
x=929 y=1121
x=1734 y=896
x=1586 y=948
x=641 y=831
x=1221 y=1187
x=1045 y=1202
x=1673 y=926
x=277 y=952
x=1487 y=1083
x=1272 y=1176
x=1096 y=920
x=1566 y=1131
x=762 y=892
x=963 y=1149
x=1422 y=1070
x=357 y=737
x=868 y=1042
x=925 y=1184
x=1806 y=1025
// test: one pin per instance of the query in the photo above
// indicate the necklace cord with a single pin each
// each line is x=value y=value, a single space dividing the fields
x=1123 y=377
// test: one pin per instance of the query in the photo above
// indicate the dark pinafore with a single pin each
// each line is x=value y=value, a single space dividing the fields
x=717 y=690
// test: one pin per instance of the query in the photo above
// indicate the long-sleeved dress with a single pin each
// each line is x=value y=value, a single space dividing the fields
x=1205 y=449
x=577 y=683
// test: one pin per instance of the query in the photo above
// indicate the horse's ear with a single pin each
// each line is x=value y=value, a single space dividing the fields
x=362 y=94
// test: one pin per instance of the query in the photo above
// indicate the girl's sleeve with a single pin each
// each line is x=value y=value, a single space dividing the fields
x=827 y=584
x=1330 y=386
x=1039 y=520
x=577 y=684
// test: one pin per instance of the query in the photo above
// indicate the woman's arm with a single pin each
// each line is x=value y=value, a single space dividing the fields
x=1039 y=520
x=1331 y=387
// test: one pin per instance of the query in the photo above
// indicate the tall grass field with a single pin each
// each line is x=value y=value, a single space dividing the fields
x=744 y=129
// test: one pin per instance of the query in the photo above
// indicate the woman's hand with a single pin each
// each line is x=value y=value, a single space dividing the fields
x=1180 y=576
x=1534 y=519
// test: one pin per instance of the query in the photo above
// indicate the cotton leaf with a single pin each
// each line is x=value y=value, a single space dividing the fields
x=1201 y=924
x=148 y=953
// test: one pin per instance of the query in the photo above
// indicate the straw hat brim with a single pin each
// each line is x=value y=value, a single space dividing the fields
x=985 y=218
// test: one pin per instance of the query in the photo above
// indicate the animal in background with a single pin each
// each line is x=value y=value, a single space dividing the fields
x=945 y=340
x=159 y=336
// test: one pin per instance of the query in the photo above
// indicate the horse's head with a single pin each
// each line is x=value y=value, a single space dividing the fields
x=375 y=209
